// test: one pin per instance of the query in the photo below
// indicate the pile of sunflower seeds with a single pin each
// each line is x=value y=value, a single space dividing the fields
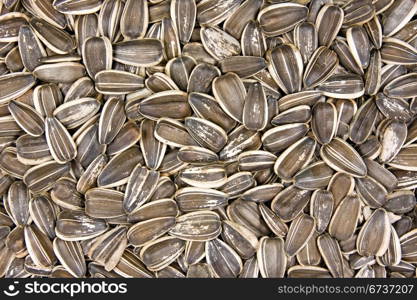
x=212 y=138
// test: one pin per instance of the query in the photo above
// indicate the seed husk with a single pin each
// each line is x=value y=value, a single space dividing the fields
x=205 y=139
x=290 y=13
x=222 y=259
x=300 y=231
x=374 y=236
x=286 y=57
x=271 y=257
x=162 y=252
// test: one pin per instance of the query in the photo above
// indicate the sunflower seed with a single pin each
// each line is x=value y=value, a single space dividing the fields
x=77 y=226
x=290 y=202
x=290 y=15
x=252 y=39
x=340 y=156
x=104 y=203
x=374 y=236
x=332 y=256
x=286 y=57
x=140 y=187
x=71 y=256
x=160 y=253
x=294 y=158
x=271 y=257
x=191 y=199
x=299 y=232
x=224 y=262
x=141 y=52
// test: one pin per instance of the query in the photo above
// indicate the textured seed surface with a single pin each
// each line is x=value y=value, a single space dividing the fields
x=208 y=138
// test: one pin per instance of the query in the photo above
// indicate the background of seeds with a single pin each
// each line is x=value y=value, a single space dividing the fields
x=214 y=138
